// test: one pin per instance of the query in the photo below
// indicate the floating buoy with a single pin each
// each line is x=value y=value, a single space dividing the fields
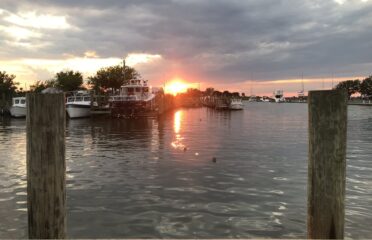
x=214 y=159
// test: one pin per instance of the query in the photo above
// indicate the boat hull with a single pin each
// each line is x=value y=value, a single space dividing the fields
x=236 y=107
x=78 y=111
x=18 y=112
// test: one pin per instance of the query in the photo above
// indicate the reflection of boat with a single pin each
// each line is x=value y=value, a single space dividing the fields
x=236 y=104
x=279 y=96
x=78 y=105
x=18 y=108
x=135 y=99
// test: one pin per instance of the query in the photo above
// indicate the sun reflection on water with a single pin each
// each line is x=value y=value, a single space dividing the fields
x=177 y=121
x=177 y=144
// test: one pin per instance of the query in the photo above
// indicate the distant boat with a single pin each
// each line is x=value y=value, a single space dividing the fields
x=18 y=108
x=79 y=105
x=252 y=98
x=279 y=96
x=301 y=93
x=236 y=104
x=222 y=104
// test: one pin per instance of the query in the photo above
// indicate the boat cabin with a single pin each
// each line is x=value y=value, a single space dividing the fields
x=19 y=101
x=134 y=90
x=79 y=97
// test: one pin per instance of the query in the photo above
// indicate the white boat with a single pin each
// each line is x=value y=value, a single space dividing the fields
x=135 y=99
x=79 y=105
x=18 y=108
x=279 y=96
x=252 y=98
x=236 y=104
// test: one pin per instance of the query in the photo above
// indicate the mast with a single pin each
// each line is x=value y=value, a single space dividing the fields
x=124 y=70
x=302 y=83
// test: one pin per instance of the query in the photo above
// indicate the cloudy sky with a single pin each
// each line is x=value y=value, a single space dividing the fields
x=230 y=44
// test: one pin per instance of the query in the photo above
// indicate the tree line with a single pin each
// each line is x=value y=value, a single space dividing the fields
x=364 y=87
x=112 y=77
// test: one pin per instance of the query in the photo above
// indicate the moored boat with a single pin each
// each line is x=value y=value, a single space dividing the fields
x=18 y=108
x=135 y=99
x=79 y=105
x=279 y=96
x=236 y=104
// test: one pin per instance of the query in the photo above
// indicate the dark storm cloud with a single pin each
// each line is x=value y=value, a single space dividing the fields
x=216 y=39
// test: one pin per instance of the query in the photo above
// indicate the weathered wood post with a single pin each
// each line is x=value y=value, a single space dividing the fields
x=327 y=164
x=46 y=168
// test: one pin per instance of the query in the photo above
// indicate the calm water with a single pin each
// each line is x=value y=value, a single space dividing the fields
x=134 y=179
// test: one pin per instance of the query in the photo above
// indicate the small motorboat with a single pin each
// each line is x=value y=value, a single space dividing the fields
x=18 y=108
x=78 y=105
x=236 y=104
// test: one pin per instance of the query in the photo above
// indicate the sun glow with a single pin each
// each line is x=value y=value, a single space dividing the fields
x=175 y=87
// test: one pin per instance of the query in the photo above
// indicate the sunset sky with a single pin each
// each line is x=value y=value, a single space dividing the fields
x=239 y=45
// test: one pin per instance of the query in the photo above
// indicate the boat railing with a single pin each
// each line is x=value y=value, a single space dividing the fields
x=78 y=98
x=124 y=98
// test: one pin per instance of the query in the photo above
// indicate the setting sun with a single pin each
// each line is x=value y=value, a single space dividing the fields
x=176 y=87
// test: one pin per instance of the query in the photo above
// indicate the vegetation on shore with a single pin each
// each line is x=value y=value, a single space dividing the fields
x=113 y=77
x=7 y=87
x=364 y=88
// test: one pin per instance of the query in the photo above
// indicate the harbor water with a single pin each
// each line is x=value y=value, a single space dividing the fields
x=155 y=178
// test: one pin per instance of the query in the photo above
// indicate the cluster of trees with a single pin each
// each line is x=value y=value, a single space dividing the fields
x=356 y=86
x=65 y=80
x=7 y=84
x=212 y=92
x=112 y=77
x=105 y=78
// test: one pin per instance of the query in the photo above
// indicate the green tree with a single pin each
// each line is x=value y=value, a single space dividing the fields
x=7 y=84
x=41 y=85
x=366 y=87
x=112 y=77
x=352 y=86
x=69 y=80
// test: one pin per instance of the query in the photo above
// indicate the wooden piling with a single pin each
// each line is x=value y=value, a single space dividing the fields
x=327 y=164
x=46 y=168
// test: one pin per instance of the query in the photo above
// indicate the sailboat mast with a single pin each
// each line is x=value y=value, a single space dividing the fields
x=302 y=82
x=124 y=70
